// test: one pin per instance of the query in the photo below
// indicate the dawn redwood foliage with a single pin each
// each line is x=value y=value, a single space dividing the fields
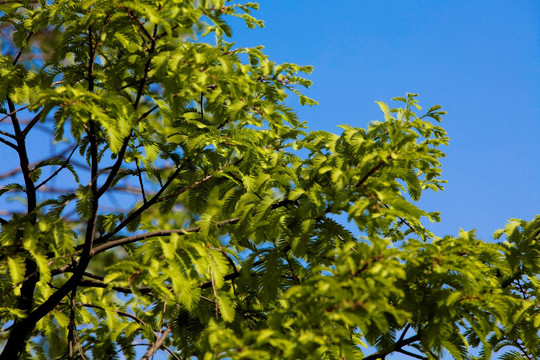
x=170 y=201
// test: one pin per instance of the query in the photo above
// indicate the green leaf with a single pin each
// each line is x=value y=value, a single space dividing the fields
x=226 y=307
x=16 y=269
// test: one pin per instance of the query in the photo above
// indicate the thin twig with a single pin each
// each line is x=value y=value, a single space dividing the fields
x=16 y=170
x=146 y=69
x=141 y=209
x=58 y=170
x=171 y=352
x=369 y=173
x=11 y=113
x=140 y=26
x=183 y=190
x=79 y=346
x=106 y=245
x=522 y=349
x=144 y=115
x=140 y=180
x=119 y=312
x=215 y=293
x=71 y=325
x=22 y=48
x=163 y=313
x=202 y=109
x=115 y=168
x=233 y=265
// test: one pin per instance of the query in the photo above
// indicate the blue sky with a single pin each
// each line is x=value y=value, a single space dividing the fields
x=479 y=59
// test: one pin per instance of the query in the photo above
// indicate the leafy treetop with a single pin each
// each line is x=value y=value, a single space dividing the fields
x=186 y=208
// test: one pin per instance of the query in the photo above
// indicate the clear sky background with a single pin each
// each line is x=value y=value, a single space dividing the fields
x=479 y=59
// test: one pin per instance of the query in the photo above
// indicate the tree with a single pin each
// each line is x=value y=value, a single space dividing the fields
x=186 y=209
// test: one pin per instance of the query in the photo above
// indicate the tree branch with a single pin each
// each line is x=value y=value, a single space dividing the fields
x=146 y=69
x=15 y=171
x=140 y=180
x=183 y=190
x=10 y=144
x=370 y=172
x=22 y=327
x=103 y=246
x=101 y=284
x=155 y=347
x=141 y=209
x=115 y=168
x=32 y=123
x=119 y=312
x=404 y=332
x=94 y=160
x=125 y=144
x=5 y=133
x=397 y=346
x=216 y=305
x=71 y=325
x=408 y=353
x=22 y=48
x=11 y=113
x=58 y=170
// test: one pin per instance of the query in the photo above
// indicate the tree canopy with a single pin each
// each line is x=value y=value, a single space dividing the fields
x=184 y=208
